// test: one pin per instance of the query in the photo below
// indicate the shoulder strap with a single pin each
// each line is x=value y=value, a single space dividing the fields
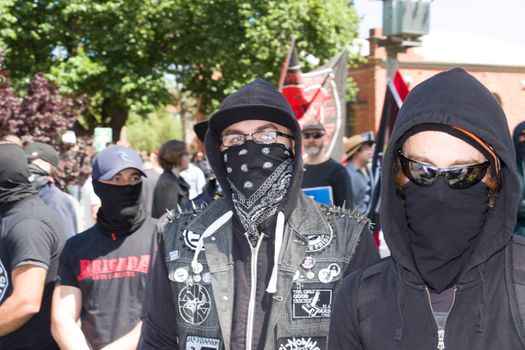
x=366 y=296
x=518 y=277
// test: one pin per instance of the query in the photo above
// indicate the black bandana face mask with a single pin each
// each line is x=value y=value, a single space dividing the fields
x=120 y=213
x=444 y=224
x=259 y=176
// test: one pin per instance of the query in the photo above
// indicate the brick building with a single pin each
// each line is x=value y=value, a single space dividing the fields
x=500 y=66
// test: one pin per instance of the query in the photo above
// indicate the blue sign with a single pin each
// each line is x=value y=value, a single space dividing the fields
x=321 y=194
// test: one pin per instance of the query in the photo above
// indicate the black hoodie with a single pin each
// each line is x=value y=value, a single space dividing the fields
x=30 y=233
x=480 y=317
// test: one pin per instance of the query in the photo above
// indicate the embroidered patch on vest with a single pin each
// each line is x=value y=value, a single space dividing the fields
x=194 y=304
x=302 y=343
x=4 y=280
x=316 y=243
x=191 y=239
x=311 y=303
x=194 y=342
x=174 y=255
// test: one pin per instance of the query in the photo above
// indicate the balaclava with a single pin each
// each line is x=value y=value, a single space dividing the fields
x=443 y=222
x=258 y=181
x=120 y=213
x=14 y=183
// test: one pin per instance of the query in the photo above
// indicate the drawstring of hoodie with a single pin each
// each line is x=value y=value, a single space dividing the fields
x=482 y=303
x=398 y=335
x=195 y=265
x=279 y=232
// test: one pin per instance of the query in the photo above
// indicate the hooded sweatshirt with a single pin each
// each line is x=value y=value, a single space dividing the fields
x=29 y=234
x=401 y=311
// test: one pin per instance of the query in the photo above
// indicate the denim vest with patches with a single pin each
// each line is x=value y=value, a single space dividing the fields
x=317 y=246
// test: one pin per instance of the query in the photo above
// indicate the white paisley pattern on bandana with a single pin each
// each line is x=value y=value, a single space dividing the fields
x=264 y=201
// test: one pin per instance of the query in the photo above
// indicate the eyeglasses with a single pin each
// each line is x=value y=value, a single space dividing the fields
x=262 y=137
x=315 y=135
x=457 y=177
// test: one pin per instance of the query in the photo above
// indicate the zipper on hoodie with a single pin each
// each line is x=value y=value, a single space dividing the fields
x=253 y=291
x=441 y=329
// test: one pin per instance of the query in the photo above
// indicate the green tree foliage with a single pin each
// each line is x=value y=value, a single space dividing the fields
x=119 y=51
x=148 y=134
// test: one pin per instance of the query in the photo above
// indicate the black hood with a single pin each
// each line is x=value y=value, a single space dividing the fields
x=257 y=100
x=453 y=98
x=14 y=182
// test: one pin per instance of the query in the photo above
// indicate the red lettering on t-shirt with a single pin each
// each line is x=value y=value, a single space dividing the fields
x=110 y=268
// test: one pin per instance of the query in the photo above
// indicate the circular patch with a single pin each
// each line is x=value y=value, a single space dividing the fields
x=325 y=276
x=316 y=243
x=197 y=278
x=244 y=168
x=248 y=184
x=194 y=304
x=310 y=275
x=266 y=150
x=197 y=268
x=335 y=269
x=179 y=275
x=242 y=152
x=308 y=262
x=191 y=239
x=267 y=165
x=206 y=278
x=229 y=170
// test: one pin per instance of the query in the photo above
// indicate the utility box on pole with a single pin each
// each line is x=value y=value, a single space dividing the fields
x=406 y=17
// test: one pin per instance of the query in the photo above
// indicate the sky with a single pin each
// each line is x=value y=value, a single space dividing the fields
x=501 y=19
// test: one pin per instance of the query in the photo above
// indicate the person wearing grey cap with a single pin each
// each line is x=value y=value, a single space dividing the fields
x=259 y=267
x=43 y=160
x=103 y=271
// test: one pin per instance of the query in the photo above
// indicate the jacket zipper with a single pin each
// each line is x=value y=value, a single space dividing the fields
x=441 y=331
x=253 y=290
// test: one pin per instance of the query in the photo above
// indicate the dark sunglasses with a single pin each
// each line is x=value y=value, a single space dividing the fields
x=315 y=135
x=457 y=177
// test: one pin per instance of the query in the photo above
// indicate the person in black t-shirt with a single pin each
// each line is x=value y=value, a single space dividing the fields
x=103 y=270
x=31 y=239
x=323 y=177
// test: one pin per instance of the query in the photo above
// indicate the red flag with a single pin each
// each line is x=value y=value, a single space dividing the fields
x=318 y=95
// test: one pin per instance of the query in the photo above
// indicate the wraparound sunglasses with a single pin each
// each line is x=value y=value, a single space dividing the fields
x=457 y=177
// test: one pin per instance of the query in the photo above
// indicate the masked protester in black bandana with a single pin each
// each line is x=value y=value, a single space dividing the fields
x=448 y=210
x=43 y=161
x=103 y=270
x=257 y=268
x=31 y=239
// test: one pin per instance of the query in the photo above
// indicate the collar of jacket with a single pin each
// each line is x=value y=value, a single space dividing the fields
x=306 y=219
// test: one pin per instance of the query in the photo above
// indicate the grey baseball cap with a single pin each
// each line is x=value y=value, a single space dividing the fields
x=113 y=159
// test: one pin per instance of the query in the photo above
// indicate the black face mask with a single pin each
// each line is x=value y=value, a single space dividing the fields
x=259 y=176
x=444 y=224
x=120 y=213
x=37 y=176
x=14 y=185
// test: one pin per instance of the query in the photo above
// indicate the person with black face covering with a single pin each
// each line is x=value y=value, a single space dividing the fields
x=31 y=239
x=103 y=270
x=43 y=159
x=449 y=198
x=259 y=267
